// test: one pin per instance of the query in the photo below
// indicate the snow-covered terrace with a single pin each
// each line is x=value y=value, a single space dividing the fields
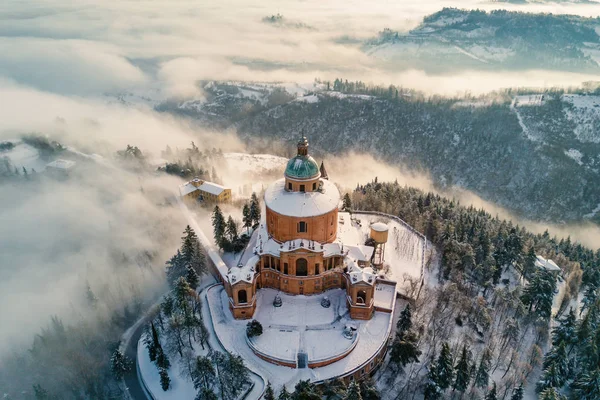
x=404 y=250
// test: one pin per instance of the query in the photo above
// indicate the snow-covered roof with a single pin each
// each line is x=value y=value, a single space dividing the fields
x=358 y=274
x=61 y=164
x=298 y=204
x=548 y=264
x=379 y=227
x=186 y=189
x=243 y=273
x=212 y=188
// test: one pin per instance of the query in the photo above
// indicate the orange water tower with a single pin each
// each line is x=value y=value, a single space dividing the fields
x=379 y=234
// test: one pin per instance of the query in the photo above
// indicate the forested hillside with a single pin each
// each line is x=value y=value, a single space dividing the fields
x=539 y=158
x=455 y=39
x=482 y=329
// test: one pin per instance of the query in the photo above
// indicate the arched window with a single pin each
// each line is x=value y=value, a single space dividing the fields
x=302 y=226
x=242 y=296
x=301 y=267
x=361 y=297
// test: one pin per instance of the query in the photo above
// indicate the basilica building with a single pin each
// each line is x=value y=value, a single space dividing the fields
x=297 y=249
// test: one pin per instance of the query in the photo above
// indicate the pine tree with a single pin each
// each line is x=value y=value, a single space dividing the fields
x=517 y=393
x=529 y=263
x=204 y=373
x=432 y=391
x=405 y=321
x=199 y=260
x=192 y=277
x=492 y=395
x=219 y=225
x=254 y=209
x=551 y=394
x=445 y=367
x=284 y=394
x=246 y=217
x=119 y=364
x=176 y=268
x=269 y=394
x=557 y=356
x=231 y=229
x=566 y=331
x=353 y=392
x=463 y=370
x=165 y=381
x=206 y=394
x=347 y=203
x=162 y=360
x=152 y=342
x=587 y=385
x=189 y=240
x=405 y=349
x=482 y=375
x=306 y=390
x=167 y=306
x=538 y=295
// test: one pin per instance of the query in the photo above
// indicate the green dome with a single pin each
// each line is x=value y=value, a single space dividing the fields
x=302 y=167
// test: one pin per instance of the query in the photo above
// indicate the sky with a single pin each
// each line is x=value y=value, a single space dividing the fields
x=65 y=65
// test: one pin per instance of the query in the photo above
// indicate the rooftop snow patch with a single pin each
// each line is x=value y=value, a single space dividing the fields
x=298 y=204
x=212 y=188
x=548 y=264
x=379 y=227
x=61 y=164
x=186 y=189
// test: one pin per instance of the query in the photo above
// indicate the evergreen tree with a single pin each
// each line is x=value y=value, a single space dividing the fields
x=204 y=373
x=566 y=331
x=165 y=381
x=189 y=240
x=445 y=367
x=463 y=370
x=405 y=321
x=246 y=217
x=269 y=394
x=119 y=364
x=557 y=356
x=254 y=209
x=176 y=267
x=482 y=375
x=284 y=394
x=551 y=394
x=405 y=349
x=199 y=260
x=353 y=392
x=152 y=344
x=432 y=391
x=192 y=277
x=517 y=393
x=538 y=295
x=206 y=394
x=231 y=229
x=167 y=306
x=219 y=226
x=305 y=390
x=587 y=385
x=529 y=263
x=254 y=328
x=162 y=360
x=492 y=394
x=347 y=203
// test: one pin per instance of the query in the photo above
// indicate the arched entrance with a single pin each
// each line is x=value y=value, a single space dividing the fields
x=361 y=297
x=301 y=267
x=242 y=296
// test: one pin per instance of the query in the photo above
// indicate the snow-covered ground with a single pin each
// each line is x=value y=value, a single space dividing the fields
x=574 y=154
x=232 y=333
x=585 y=112
x=24 y=155
x=404 y=250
